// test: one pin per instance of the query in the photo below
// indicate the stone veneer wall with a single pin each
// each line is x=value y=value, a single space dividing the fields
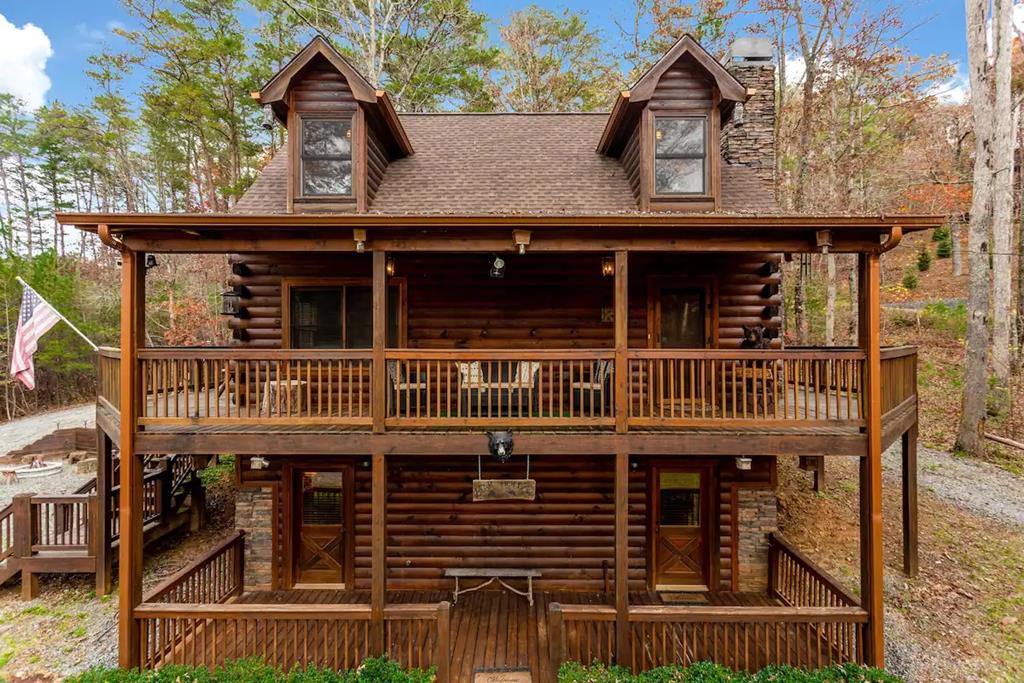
x=748 y=138
x=254 y=513
x=757 y=515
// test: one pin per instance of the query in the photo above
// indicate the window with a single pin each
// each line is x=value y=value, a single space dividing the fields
x=326 y=157
x=338 y=317
x=680 y=499
x=680 y=155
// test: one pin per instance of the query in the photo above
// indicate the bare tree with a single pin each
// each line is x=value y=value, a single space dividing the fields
x=1002 y=226
x=970 y=437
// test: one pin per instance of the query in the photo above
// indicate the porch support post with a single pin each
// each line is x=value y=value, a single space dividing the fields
x=621 y=340
x=871 y=464
x=133 y=327
x=378 y=553
x=621 y=558
x=101 y=525
x=910 y=501
x=378 y=379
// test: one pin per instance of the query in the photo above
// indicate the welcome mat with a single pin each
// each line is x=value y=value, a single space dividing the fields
x=502 y=676
x=684 y=598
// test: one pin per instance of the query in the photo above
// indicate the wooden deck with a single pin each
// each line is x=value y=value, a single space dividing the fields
x=494 y=629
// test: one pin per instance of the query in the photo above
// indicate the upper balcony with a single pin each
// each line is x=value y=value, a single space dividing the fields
x=191 y=396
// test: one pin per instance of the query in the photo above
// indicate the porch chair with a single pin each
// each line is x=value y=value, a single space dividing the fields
x=592 y=396
x=499 y=389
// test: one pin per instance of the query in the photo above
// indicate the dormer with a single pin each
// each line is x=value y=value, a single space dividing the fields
x=342 y=131
x=666 y=130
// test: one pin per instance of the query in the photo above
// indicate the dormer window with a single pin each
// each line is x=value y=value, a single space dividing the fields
x=326 y=157
x=680 y=155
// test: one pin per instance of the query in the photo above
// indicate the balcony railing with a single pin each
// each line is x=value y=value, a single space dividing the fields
x=423 y=389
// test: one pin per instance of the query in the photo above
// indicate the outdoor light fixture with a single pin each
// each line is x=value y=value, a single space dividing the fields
x=608 y=266
x=229 y=302
x=268 y=118
x=151 y=261
x=360 y=238
x=744 y=464
x=389 y=266
x=258 y=462
x=498 y=268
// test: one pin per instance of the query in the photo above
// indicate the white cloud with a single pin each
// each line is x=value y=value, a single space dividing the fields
x=796 y=69
x=91 y=35
x=23 y=62
x=954 y=90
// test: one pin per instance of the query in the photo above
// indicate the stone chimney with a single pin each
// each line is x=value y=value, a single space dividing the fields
x=748 y=138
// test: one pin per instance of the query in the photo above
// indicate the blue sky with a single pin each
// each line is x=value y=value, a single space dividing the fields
x=77 y=28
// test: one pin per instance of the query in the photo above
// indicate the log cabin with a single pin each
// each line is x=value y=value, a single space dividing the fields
x=508 y=390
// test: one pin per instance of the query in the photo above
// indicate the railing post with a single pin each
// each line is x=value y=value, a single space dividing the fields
x=101 y=521
x=444 y=648
x=24 y=537
x=378 y=371
x=909 y=447
x=378 y=553
x=621 y=558
x=239 y=564
x=556 y=624
x=773 y=570
x=621 y=314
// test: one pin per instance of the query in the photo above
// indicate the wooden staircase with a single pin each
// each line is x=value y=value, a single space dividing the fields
x=65 y=534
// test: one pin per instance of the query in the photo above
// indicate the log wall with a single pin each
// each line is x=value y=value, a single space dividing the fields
x=544 y=301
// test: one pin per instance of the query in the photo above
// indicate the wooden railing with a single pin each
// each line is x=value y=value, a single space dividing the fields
x=899 y=376
x=61 y=522
x=817 y=623
x=501 y=388
x=713 y=387
x=230 y=386
x=6 y=532
x=796 y=581
x=665 y=388
x=109 y=384
x=214 y=578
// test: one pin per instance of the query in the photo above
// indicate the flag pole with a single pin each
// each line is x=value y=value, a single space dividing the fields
x=60 y=315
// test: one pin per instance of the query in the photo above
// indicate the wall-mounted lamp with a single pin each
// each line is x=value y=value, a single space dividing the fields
x=151 y=261
x=498 y=268
x=258 y=462
x=744 y=464
x=608 y=266
x=389 y=266
x=360 y=237
x=229 y=302
x=522 y=240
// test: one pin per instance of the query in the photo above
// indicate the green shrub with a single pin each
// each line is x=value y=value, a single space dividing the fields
x=952 y=319
x=376 y=670
x=706 y=672
x=910 y=280
x=944 y=249
x=943 y=234
x=924 y=259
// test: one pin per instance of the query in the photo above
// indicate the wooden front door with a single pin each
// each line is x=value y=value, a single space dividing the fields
x=323 y=525
x=681 y=529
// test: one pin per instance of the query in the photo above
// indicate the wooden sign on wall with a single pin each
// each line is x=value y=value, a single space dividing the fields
x=503 y=676
x=504 y=489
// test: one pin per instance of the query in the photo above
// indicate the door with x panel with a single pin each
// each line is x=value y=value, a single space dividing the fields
x=681 y=524
x=323 y=523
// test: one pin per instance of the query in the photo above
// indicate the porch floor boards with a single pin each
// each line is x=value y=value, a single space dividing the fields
x=494 y=629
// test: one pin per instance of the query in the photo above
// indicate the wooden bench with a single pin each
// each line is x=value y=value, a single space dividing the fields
x=493 y=575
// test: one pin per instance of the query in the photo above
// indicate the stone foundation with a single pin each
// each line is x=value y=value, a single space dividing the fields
x=756 y=516
x=254 y=513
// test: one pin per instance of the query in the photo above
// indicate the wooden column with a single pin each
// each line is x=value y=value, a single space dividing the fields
x=622 y=558
x=378 y=381
x=378 y=552
x=871 y=464
x=133 y=325
x=910 y=501
x=101 y=525
x=621 y=341
x=25 y=524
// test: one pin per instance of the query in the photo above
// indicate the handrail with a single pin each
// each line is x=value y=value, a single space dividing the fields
x=6 y=531
x=215 y=577
x=755 y=354
x=246 y=353
x=797 y=581
x=898 y=351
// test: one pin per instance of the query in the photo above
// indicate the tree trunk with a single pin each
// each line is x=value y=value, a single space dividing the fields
x=830 y=300
x=972 y=422
x=1002 y=210
x=958 y=255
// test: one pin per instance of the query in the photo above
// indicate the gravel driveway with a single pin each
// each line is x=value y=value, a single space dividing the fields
x=21 y=432
x=973 y=485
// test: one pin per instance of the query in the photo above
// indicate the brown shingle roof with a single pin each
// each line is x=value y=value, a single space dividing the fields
x=505 y=164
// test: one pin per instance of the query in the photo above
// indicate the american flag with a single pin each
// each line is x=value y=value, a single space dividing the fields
x=35 y=319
